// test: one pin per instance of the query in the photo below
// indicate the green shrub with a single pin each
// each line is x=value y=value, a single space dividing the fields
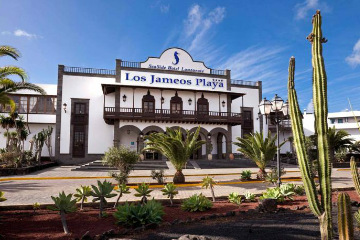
x=280 y=194
x=245 y=175
x=36 y=206
x=273 y=193
x=64 y=205
x=101 y=192
x=82 y=193
x=136 y=215
x=272 y=176
x=299 y=190
x=143 y=192
x=196 y=202
x=250 y=196
x=170 y=191
x=159 y=176
x=235 y=197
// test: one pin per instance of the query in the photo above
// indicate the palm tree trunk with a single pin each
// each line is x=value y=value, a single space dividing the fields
x=212 y=193
x=332 y=155
x=171 y=201
x=261 y=174
x=179 y=177
x=82 y=202
x=117 y=200
x=63 y=221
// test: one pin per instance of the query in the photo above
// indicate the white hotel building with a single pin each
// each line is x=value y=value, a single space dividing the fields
x=98 y=108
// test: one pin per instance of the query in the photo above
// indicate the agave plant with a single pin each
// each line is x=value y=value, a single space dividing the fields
x=235 y=197
x=101 y=192
x=208 y=182
x=121 y=189
x=259 y=149
x=64 y=205
x=172 y=146
x=82 y=193
x=143 y=192
x=2 y=199
x=170 y=191
x=250 y=196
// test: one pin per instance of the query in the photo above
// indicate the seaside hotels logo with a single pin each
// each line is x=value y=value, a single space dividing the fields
x=176 y=58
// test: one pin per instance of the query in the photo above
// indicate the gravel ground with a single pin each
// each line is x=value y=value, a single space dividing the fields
x=280 y=226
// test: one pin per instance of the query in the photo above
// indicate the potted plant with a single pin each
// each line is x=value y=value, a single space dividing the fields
x=231 y=156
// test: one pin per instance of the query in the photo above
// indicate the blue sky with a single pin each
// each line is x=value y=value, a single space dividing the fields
x=255 y=39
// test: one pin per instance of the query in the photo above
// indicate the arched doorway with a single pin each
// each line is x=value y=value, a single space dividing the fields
x=220 y=138
x=152 y=155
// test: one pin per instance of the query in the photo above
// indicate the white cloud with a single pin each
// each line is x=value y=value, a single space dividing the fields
x=354 y=59
x=302 y=9
x=197 y=29
x=21 y=33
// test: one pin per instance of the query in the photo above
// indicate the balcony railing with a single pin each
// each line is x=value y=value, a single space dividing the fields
x=244 y=83
x=112 y=113
x=89 y=70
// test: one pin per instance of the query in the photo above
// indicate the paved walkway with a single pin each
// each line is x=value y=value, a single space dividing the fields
x=39 y=186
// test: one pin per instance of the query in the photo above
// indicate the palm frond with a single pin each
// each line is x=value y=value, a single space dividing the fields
x=9 y=51
x=13 y=70
x=25 y=86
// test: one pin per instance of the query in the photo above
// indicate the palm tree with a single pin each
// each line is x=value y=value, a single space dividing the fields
x=7 y=85
x=259 y=149
x=338 y=140
x=172 y=146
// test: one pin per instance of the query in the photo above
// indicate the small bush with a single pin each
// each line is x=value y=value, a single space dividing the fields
x=245 y=175
x=234 y=197
x=143 y=192
x=272 y=176
x=196 y=202
x=280 y=194
x=250 y=196
x=159 y=176
x=299 y=190
x=36 y=206
x=138 y=215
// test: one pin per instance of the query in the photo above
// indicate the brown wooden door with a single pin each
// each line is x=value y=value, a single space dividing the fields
x=78 y=149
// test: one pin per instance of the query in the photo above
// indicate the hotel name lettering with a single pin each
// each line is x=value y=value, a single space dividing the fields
x=176 y=81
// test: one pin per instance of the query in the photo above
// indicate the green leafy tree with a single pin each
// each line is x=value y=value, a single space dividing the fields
x=64 y=205
x=259 y=149
x=9 y=86
x=208 y=182
x=121 y=189
x=123 y=159
x=143 y=191
x=101 y=192
x=82 y=194
x=175 y=148
x=170 y=191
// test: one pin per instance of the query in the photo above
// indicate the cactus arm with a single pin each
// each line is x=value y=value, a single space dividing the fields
x=345 y=222
x=355 y=175
x=321 y=111
x=299 y=141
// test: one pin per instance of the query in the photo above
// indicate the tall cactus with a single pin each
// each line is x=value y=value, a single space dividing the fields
x=322 y=208
x=345 y=221
x=355 y=175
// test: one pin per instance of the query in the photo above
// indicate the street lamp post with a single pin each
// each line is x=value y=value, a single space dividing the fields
x=281 y=112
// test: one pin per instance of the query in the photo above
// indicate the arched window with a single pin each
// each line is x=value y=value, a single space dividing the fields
x=176 y=104
x=148 y=103
x=202 y=106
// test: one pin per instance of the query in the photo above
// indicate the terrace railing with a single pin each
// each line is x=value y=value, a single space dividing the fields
x=123 y=113
x=89 y=70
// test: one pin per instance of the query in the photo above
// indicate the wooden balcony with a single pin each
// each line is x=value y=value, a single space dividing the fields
x=165 y=115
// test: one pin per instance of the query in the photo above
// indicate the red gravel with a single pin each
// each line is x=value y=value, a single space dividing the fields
x=46 y=224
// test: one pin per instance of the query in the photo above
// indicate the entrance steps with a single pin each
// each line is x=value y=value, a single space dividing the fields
x=143 y=165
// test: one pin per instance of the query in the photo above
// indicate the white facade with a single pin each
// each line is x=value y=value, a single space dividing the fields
x=37 y=118
x=118 y=107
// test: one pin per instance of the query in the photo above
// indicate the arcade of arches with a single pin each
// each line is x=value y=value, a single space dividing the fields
x=219 y=138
